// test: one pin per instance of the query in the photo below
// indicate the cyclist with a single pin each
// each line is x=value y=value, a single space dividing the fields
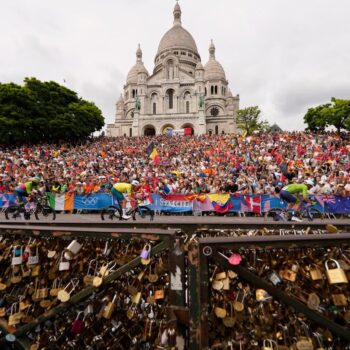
x=294 y=194
x=26 y=189
x=119 y=190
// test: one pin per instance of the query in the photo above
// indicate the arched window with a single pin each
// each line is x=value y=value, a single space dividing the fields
x=170 y=70
x=205 y=91
x=216 y=130
x=216 y=89
x=130 y=132
x=154 y=108
x=187 y=106
x=212 y=90
x=171 y=99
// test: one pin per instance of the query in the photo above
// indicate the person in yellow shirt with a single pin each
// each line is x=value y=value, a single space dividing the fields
x=121 y=188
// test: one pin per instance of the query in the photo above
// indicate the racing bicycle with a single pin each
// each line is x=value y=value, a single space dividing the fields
x=306 y=211
x=37 y=204
x=137 y=206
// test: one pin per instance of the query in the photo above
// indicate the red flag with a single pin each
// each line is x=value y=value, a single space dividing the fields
x=253 y=203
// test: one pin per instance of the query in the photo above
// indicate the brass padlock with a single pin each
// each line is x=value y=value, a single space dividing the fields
x=315 y=273
x=339 y=299
x=336 y=275
x=109 y=308
x=267 y=344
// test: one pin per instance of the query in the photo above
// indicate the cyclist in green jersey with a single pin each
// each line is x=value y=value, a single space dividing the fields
x=295 y=194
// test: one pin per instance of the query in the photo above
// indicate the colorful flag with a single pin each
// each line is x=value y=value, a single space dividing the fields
x=338 y=205
x=221 y=202
x=253 y=203
x=153 y=153
x=61 y=201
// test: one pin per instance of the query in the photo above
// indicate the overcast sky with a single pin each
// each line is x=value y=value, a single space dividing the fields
x=283 y=56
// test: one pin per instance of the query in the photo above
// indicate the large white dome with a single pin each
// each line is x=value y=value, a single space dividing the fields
x=177 y=36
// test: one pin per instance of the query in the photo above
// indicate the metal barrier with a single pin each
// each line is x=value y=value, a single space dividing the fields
x=210 y=250
x=161 y=241
x=191 y=253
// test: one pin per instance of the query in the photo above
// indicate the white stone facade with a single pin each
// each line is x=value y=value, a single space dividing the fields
x=180 y=93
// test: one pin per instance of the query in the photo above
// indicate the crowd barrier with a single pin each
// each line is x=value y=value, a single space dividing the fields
x=179 y=203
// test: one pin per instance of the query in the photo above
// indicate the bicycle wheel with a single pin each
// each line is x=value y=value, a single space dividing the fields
x=46 y=212
x=311 y=214
x=12 y=210
x=111 y=213
x=143 y=211
x=275 y=214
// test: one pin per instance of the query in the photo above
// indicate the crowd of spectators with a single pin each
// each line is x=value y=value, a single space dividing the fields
x=198 y=164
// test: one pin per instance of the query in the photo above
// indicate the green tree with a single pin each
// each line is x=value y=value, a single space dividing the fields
x=335 y=114
x=249 y=120
x=45 y=112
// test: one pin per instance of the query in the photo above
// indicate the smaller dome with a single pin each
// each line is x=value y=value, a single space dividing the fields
x=199 y=66
x=213 y=69
x=138 y=68
x=229 y=94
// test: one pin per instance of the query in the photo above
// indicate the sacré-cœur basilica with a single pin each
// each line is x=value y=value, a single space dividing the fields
x=180 y=93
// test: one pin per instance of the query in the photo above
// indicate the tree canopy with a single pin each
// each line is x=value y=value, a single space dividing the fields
x=336 y=114
x=249 y=120
x=45 y=112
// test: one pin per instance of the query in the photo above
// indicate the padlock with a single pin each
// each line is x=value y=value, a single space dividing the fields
x=274 y=278
x=146 y=252
x=304 y=342
x=315 y=273
x=104 y=271
x=229 y=320
x=64 y=294
x=74 y=247
x=63 y=265
x=88 y=278
x=33 y=259
x=261 y=295
x=238 y=304
x=109 y=308
x=17 y=258
x=89 y=310
x=336 y=275
x=339 y=299
x=289 y=275
x=56 y=287
x=15 y=315
x=78 y=324
x=267 y=344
